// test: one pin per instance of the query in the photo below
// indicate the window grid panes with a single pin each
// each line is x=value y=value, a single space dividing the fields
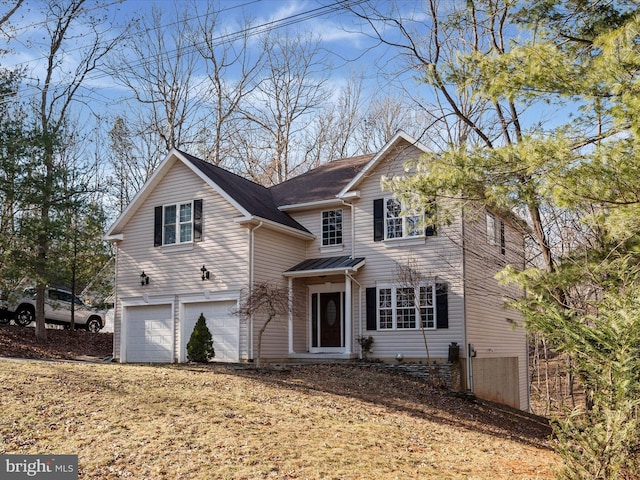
x=426 y=307
x=491 y=229
x=397 y=308
x=169 y=224
x=332 y=227
x=178 y=223
x=405 y=308
x=385 y=308
x=399 y=225
x=186 y=227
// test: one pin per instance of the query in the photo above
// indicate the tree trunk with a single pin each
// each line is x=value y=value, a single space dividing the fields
x=264 y=327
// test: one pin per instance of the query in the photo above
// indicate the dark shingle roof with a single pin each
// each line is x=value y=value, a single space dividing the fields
x=254 y=198
x=322 y=183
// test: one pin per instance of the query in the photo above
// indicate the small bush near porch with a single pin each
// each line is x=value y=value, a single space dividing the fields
x=220 y=421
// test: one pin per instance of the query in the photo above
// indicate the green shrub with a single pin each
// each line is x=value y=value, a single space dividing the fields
x=200 y=346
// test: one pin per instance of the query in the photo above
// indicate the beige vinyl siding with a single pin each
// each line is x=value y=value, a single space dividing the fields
x=312 y=220
x=175 y=270
x=438 y=257
x=275 y=252
x=489 y=321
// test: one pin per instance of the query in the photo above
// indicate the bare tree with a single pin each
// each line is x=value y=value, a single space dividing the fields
x=158 y=69
x=266 y=301
x=233 y=74
x=134 y=156
x=332 y=134
x=6 y=15
x=292 y=89
x=409 y=277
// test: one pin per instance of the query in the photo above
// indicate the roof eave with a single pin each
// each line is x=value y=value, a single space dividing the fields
x=400 y=135
x=142 y=194
x=255 y=220
x=292 y=207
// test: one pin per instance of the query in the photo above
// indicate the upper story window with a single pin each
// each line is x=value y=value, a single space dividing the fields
x=178 y=223
x=491 y=228
x=393 y=220
x=399 y=223
x=332 y=227
x=495 y=232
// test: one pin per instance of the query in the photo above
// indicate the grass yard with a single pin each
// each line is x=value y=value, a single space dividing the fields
x=218 y=422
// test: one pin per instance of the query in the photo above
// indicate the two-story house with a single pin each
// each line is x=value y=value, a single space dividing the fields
x=355 y=264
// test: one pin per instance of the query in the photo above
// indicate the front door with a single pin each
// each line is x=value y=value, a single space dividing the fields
x=327 y=321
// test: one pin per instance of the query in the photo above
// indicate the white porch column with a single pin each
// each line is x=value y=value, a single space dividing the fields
x=348 y=323
x=291 y=316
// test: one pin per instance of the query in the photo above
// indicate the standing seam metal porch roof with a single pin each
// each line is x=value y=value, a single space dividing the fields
x=325 y=266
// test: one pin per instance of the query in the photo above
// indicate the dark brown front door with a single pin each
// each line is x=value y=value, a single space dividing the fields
x=330 y=320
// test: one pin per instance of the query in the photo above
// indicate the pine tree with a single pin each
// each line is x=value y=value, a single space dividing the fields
x=200 y=346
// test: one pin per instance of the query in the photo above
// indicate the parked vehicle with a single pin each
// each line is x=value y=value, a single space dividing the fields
x=57 y=310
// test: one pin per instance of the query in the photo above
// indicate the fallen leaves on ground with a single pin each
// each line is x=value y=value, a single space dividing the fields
x=21 y=342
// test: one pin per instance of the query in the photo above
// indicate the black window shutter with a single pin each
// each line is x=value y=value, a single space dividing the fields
x=378 y=220
x=157 y=227
x=442 y=306
x=372 y=321
x=430 y=230
x=502 y=239
x=197 y=220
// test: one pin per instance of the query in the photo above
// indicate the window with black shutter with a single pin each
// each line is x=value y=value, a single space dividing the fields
x=176 y=224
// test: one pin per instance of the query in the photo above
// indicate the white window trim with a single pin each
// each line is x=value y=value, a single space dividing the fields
x=394 y=306
x=322 y=238
x=403 y=215
x=177 y=224
x=490 y=218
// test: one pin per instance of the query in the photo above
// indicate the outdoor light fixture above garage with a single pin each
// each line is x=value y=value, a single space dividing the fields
x=144 y=279
x=205 y=273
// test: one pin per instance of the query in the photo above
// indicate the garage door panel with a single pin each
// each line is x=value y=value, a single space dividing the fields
x=222 y=323
x=149 y=334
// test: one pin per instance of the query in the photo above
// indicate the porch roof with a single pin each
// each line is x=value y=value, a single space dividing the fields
x=314 y=267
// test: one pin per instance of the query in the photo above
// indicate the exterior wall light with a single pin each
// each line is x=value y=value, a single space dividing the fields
x=205 y=273
x=144 y=279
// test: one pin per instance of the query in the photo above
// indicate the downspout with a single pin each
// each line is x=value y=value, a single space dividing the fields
x=526 y=347
x=252 y=243
x=469 y=369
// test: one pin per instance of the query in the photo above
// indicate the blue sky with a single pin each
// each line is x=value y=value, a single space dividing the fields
x=348 y=49
x=345 y=39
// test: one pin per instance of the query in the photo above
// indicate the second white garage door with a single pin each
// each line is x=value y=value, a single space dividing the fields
x=223 y=324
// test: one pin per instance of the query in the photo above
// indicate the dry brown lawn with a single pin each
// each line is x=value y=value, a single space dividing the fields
x=218 y=422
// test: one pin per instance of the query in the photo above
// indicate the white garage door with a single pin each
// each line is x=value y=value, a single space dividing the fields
x=223 y=324
x=149 y=334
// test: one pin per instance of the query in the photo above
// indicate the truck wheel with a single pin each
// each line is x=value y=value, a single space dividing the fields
x=24 y=316
x=93 y=325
